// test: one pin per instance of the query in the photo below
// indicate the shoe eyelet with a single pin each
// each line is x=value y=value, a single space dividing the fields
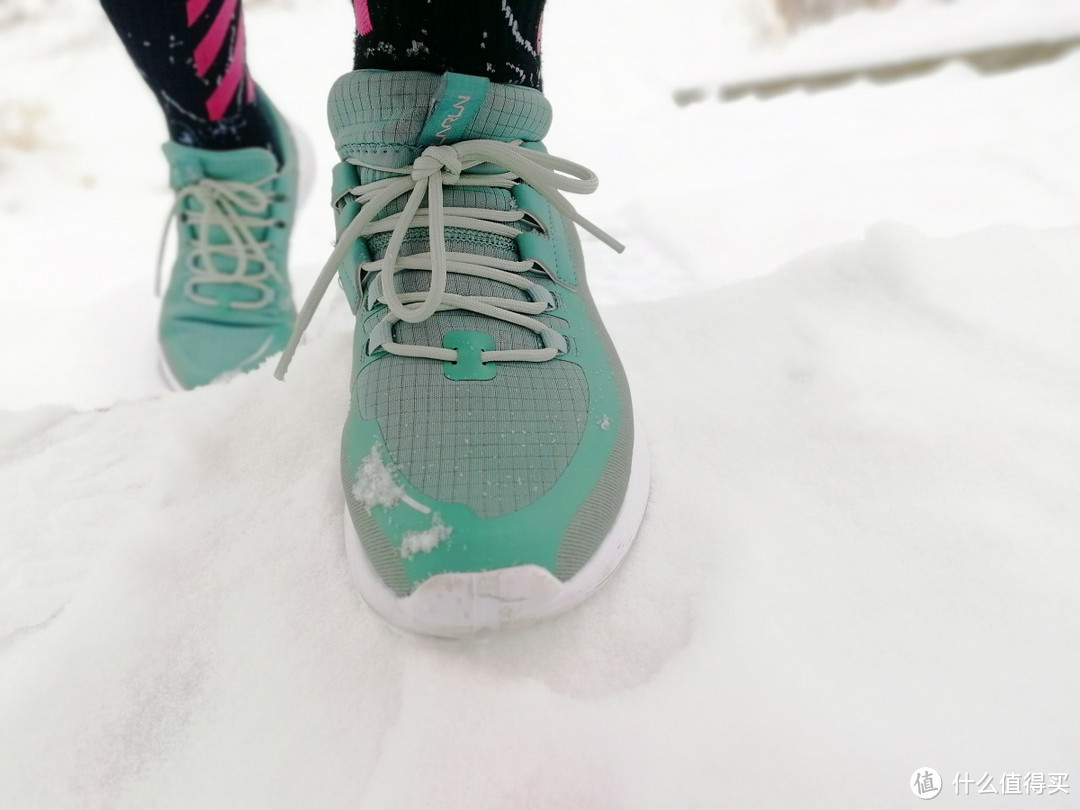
x=536 y=222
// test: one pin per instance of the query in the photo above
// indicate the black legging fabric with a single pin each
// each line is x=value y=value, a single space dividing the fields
x=192 y=54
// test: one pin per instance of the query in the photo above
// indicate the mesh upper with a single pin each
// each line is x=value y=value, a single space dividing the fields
x=495 y=445
x=374 y=112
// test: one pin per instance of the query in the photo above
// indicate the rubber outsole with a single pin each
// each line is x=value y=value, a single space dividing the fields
x=459 y=605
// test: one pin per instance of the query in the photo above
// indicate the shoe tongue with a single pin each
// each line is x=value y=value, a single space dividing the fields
x=371 y=110
x=189 y=165
x=387 y=118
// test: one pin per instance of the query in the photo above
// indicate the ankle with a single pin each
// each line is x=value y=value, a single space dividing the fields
x=251 y=125
x=499 y=41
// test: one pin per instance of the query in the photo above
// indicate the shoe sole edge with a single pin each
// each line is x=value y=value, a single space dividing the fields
x=167 y=375
x=459 y=605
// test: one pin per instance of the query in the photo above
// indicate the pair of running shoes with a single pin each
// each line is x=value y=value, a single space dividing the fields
x=492 y=472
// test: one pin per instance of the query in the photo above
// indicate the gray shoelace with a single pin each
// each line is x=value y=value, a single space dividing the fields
x=437 y=167
x=228 y=205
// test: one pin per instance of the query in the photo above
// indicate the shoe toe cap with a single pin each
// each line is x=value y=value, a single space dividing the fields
x=198 y=353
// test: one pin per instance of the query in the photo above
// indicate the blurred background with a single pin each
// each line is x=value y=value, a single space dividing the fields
x=730 y=137
x=860 y=555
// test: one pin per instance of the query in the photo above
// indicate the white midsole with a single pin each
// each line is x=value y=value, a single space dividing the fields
x=166 y=373
x=455 y=605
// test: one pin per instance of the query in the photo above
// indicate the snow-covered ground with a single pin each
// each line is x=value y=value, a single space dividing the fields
x=861 y=553
x=916 y=29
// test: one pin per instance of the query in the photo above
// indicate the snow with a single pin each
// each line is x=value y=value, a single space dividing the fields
x=914 y=30
x=850 y=322
x=375 y=484
x=414 y=543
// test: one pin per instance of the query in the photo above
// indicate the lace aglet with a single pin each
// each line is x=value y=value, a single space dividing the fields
x=279 y=371
x=286 y=357
x=603 y=236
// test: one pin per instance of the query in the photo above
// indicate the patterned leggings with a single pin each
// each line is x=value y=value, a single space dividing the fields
x=192 y=54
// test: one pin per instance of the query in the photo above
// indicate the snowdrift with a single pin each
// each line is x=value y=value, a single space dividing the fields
x=860 y=558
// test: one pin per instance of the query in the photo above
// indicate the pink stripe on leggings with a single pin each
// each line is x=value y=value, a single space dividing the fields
x=225 y=92
x=363 y=17
x=194 y=9
x=207 y=50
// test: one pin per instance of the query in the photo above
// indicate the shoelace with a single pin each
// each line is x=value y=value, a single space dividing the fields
x=220 y=205
x=440 y=166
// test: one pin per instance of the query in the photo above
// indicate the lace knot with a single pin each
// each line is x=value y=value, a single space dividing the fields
x=438 y=160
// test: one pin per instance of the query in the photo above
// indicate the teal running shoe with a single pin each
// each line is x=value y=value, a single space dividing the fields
x=493 y=475
x=228 y=305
